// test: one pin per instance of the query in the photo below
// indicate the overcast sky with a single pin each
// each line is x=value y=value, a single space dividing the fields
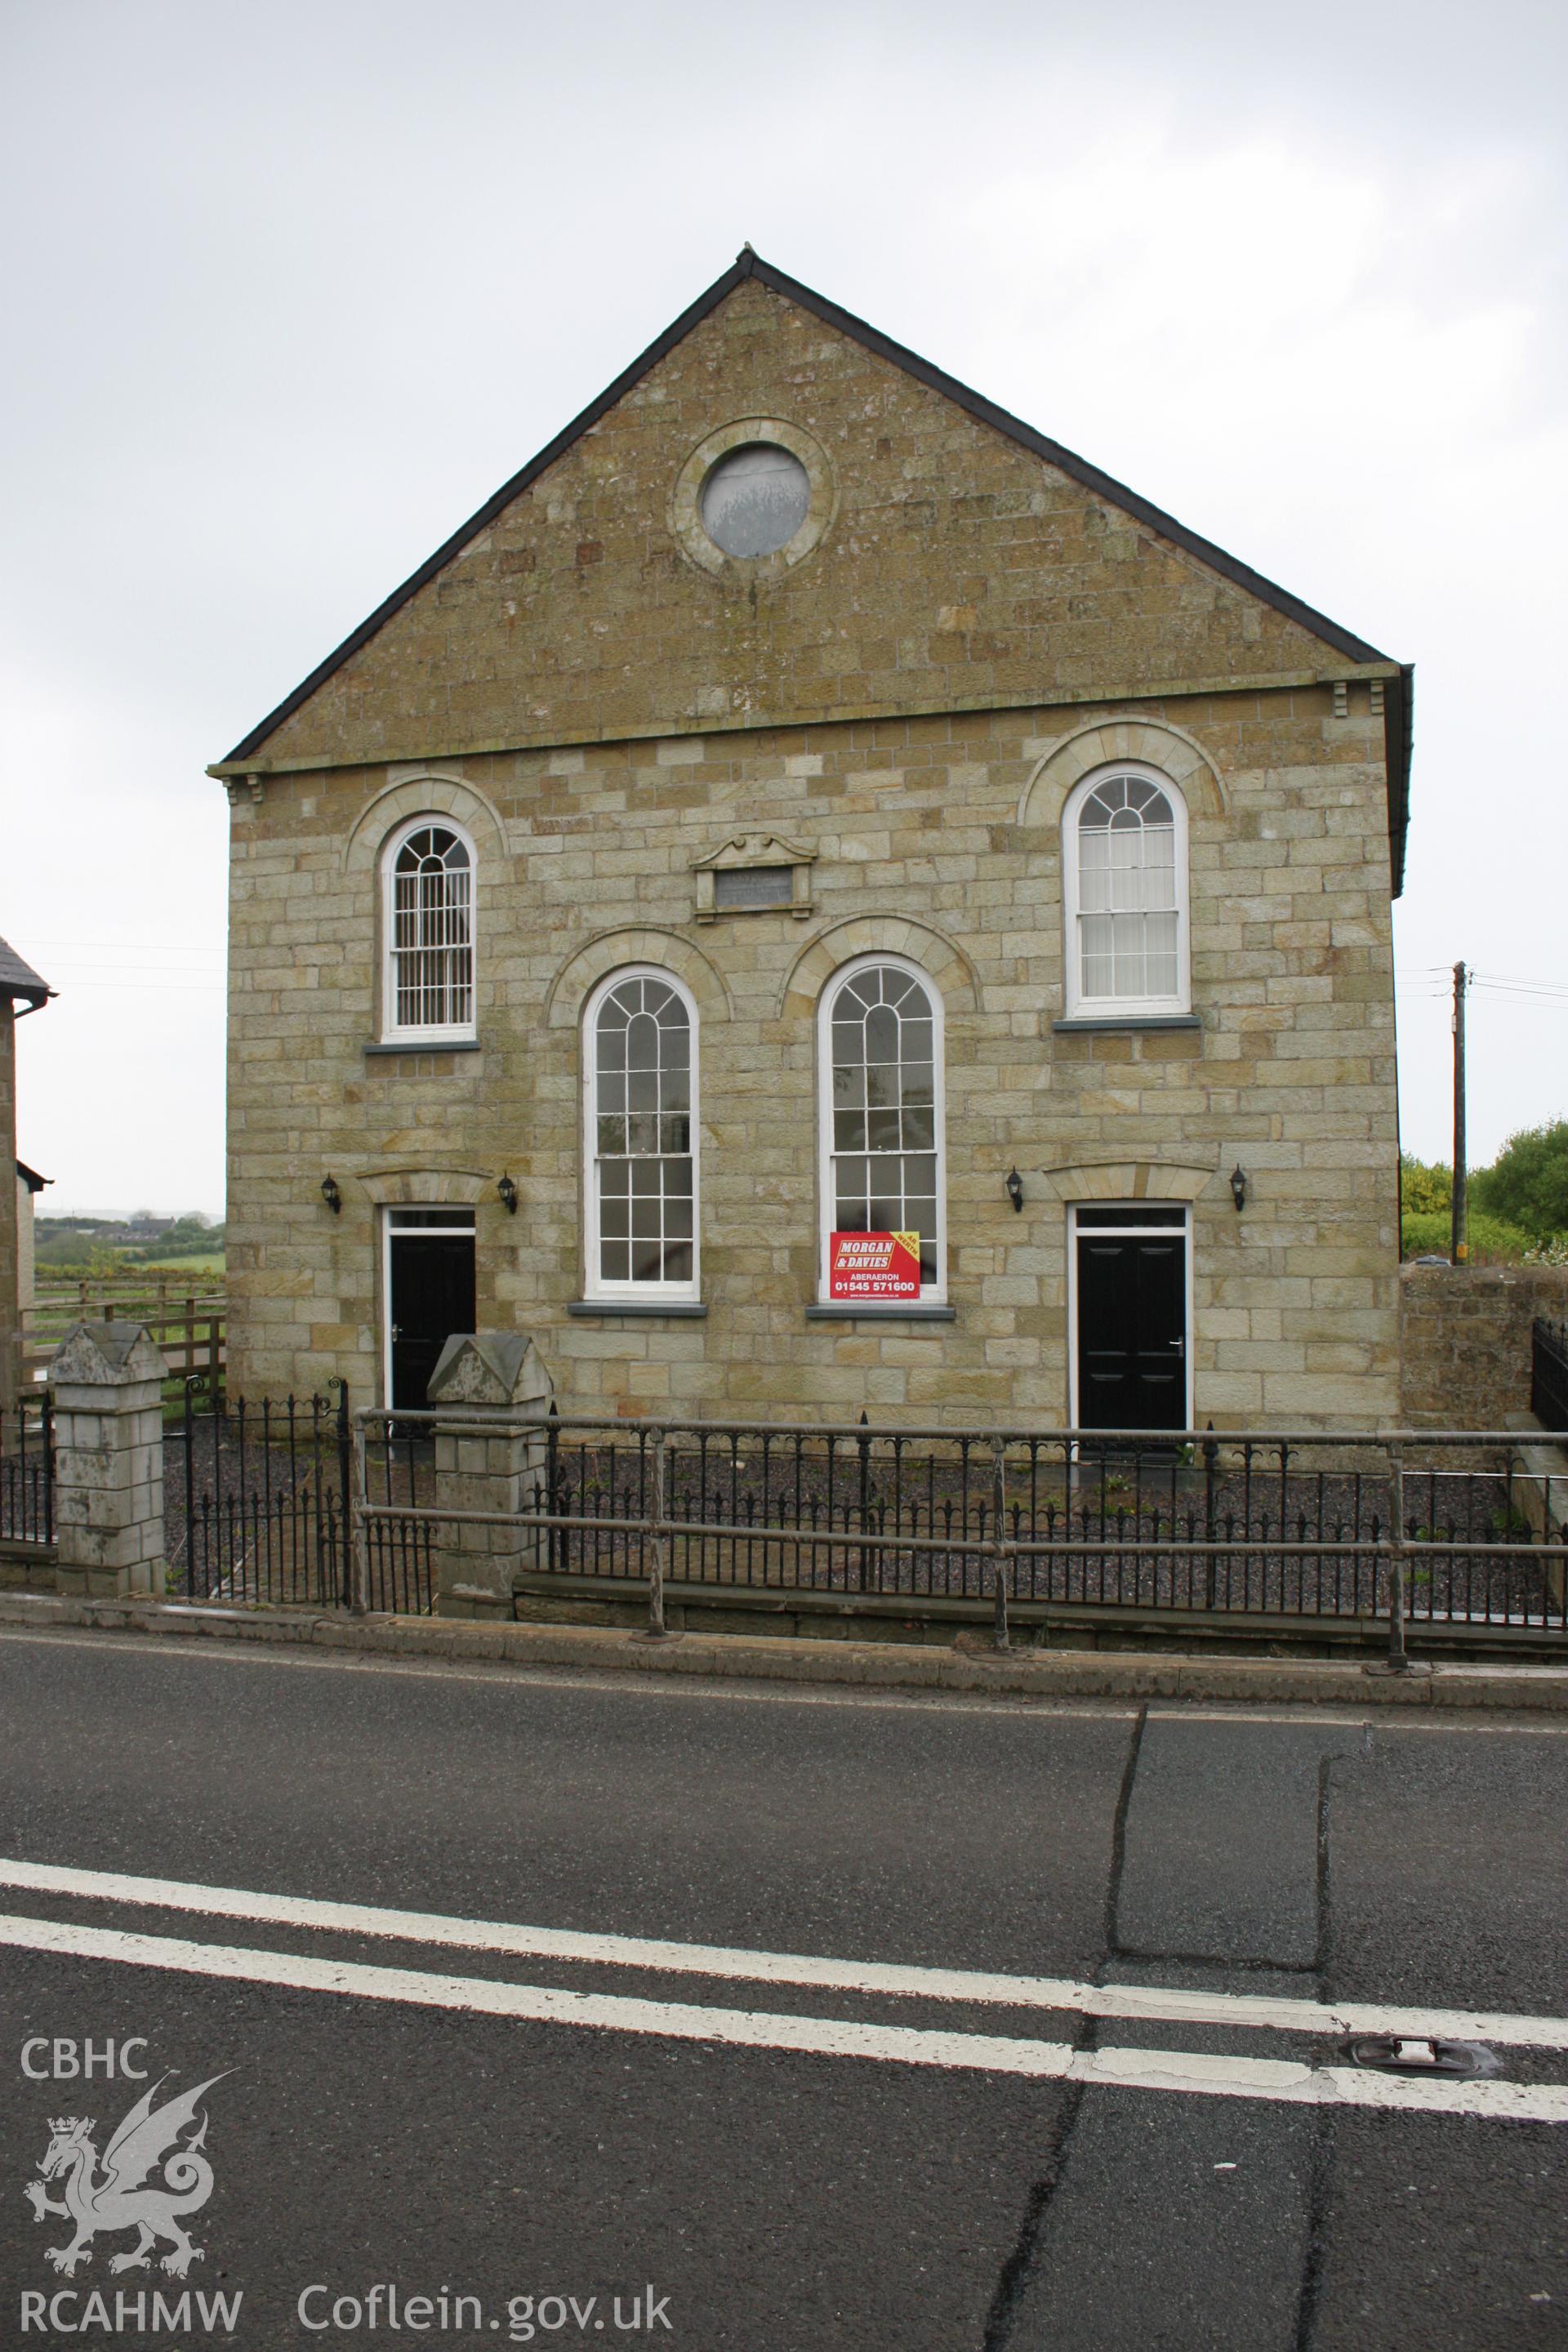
x=289 y=290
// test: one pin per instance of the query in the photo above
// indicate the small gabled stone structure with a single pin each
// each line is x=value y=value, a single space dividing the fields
x=491 y=1391
x=108 y=1462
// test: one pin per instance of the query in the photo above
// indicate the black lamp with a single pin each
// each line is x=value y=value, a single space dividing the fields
x=1015 y=1188
x=508 y=1191
x=330 y=1194
x=1238 y=1187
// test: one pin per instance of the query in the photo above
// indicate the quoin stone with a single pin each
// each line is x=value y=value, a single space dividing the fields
x=559 y=879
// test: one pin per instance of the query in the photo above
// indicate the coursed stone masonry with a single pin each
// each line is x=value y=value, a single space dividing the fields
x=107 y=1379
x=911 y=702
x=488 y=1392
x=1466 y=1341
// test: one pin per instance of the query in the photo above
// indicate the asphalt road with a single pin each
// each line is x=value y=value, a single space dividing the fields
x=572 y=2173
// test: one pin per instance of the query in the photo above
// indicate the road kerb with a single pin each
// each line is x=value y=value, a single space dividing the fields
x=1044 y=1673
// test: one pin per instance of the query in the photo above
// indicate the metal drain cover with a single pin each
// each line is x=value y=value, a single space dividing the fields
x=1393 y=2053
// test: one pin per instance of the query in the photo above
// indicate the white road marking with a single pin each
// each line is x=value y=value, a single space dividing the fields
x=990 y=1989
x=1318 y=1716
x=1139 y=2070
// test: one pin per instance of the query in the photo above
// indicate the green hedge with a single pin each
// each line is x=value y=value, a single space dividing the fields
x=1426 y=1233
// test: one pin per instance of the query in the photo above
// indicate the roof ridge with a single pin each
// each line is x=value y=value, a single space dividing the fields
x=1056 y=453
x=749 y=264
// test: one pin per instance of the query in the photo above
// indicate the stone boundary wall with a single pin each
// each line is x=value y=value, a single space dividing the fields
x=1465 y=1341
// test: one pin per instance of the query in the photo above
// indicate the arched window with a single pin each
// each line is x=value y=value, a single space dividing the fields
x=640 y=1051
x=427 y=984
x=1124 y=866
x=880 y=1055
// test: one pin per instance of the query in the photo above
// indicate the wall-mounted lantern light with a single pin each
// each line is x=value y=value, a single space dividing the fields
x=1238 y=1187
x=1015 y=1188
x=508 y=1191
x=330 y=1194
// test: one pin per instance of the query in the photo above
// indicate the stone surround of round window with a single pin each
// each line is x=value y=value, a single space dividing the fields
x=753 y=499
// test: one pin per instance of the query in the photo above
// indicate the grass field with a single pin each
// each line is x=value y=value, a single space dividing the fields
x=204 y=1268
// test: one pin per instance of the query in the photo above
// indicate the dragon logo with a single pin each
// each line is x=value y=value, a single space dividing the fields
x=124 y=2197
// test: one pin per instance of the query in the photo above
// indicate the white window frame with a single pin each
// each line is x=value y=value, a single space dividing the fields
x=932 y=1294
x=593 y=1285
x=393 y=1031
x=1079 y=1007
x=1131 y=1227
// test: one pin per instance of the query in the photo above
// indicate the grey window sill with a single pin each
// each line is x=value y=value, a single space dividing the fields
x=1123 y=1021
x=687 y=1309
x=434 y=1045
x=875 y=1311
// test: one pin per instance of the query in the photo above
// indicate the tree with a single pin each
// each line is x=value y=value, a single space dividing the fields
x=1527 y=1183
x=1426 y=1186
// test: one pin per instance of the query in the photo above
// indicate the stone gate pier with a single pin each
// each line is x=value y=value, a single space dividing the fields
x=489 y=1391
x=108 y=1380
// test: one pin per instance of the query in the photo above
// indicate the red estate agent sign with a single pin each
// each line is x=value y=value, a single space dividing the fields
x=874 y=1266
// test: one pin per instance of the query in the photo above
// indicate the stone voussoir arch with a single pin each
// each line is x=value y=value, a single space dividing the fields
x=432 y=796
x=397 y=1187
x=1152 y=742
x=898 y=935
x=609 y=952
x=1130 y=1179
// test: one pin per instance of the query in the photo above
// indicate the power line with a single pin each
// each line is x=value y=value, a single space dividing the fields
x=34 y=946
x=155 y=987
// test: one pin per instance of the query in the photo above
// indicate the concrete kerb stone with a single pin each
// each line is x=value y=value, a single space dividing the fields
x=1056 y=1674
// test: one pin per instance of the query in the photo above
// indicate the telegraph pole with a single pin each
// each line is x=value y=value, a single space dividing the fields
x=1459 y=1250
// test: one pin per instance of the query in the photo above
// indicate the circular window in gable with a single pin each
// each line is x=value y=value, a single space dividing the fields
x=755 y=500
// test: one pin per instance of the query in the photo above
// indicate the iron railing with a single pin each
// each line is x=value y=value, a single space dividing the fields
x=256 y=1509
x=1548 y=1373
x=27 y=1471
x=1440 y=1527
x=301 y=1502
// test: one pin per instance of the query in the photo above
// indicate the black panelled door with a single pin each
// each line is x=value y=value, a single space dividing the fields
x=432 y=1289
x=1131 y=1331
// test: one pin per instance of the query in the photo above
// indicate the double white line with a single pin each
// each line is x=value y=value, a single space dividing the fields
x=1159 y=2070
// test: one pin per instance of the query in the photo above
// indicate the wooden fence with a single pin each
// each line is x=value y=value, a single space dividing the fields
x=187 y=1323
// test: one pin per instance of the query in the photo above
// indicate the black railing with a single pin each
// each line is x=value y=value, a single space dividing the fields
x=1548 y=1373
x=300 y=1502
x=27 y=1473
x=1272 y=1526
x=397 y=1469
x=255 y=1509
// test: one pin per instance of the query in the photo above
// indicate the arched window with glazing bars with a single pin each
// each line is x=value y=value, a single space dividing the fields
x=882 y=1060
x=429 y=925
x=1124 y=866
x=640 y=1039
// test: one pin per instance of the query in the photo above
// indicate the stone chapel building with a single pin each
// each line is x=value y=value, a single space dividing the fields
x=806 y=803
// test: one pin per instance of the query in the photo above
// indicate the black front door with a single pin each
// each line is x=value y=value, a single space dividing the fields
x=431 y=1294
x=1131 y=1328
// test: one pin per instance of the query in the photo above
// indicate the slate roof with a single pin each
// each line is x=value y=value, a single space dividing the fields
x=1398 y=693
x=19 y=979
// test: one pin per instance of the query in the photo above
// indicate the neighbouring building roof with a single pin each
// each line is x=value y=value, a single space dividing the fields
x=19 y=979
x=31 y=1177
x=1398 y=704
